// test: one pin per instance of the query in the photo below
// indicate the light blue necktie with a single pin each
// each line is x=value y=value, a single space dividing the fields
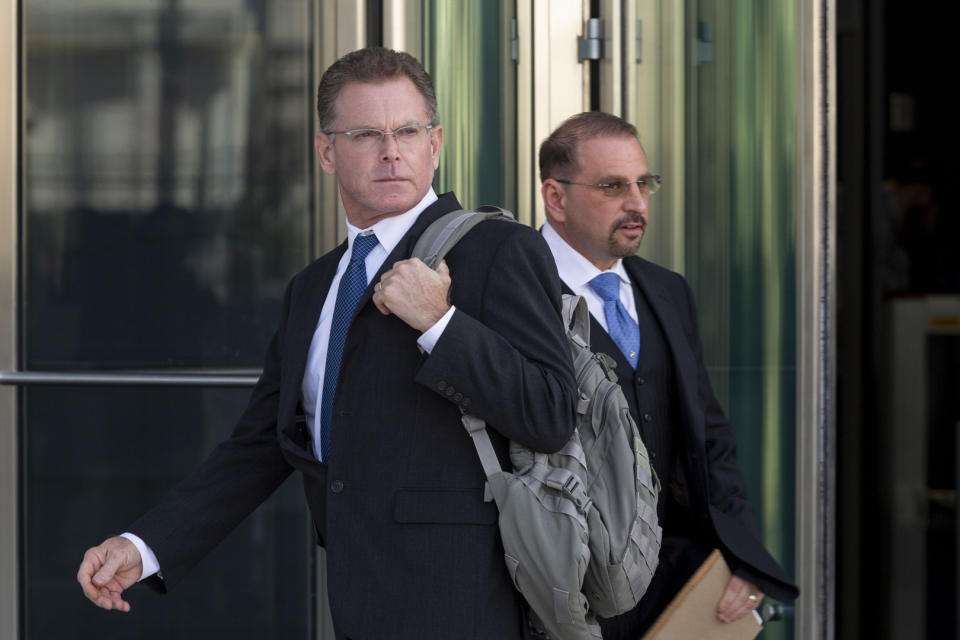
x=352 y=285
x=621 y=327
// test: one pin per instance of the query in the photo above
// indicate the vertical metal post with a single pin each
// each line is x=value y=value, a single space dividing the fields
x=403 y=26
x=551 y=86
x=9 y=191
x=816 y=284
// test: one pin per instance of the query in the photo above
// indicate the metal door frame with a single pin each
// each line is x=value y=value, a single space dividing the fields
x=9 y=178
x=816 y=321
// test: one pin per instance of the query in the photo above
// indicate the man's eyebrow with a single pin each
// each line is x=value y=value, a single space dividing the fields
x=612 y=178
x=416 y=123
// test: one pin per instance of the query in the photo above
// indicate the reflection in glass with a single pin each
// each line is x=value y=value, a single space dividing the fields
x=168 y=191
x=466 y=49
x=96 y=459
x=740 y=251
x=167 y=202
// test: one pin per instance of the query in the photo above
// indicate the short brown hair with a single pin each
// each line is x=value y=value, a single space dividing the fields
x=558 y=153
x=373 y=64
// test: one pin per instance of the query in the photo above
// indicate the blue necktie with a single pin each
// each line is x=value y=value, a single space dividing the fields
x=621 y=327
x=352 y=285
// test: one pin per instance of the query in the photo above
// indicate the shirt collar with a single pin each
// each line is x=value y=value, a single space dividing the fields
x=390 y=230
x=575 y=270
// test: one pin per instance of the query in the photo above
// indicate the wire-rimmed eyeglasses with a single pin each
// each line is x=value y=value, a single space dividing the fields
x=648 y=184
x=371 y=138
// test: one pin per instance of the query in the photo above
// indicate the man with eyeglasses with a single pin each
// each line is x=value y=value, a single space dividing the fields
x=596 y=188
x=363 y=386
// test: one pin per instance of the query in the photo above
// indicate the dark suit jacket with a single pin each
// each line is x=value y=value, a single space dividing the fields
x=413 y=551
x=706 y=479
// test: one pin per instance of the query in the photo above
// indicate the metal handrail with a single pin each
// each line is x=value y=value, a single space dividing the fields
x=134 y=378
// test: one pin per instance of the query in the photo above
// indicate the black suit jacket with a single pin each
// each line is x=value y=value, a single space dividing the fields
x=706 y=478
x=413 y=551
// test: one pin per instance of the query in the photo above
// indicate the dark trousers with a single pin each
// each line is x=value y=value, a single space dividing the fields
x=679 y=559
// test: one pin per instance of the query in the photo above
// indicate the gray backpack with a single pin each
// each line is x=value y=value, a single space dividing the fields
x=579 y=527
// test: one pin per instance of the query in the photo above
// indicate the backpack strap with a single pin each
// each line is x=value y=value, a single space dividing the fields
x=477 y=429
x=431 y=247
x=446 y=231
x=576 y=319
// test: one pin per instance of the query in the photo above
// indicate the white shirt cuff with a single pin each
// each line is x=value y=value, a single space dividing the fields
x=428 y=340
x=147 y=557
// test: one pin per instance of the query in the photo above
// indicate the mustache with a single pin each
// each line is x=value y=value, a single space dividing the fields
x=635 y=218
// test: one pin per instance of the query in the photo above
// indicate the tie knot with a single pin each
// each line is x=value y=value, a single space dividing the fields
x=607 y=286
x=362 y=245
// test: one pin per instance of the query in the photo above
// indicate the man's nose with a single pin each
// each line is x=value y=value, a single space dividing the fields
x=389 y=148
x=636 y=198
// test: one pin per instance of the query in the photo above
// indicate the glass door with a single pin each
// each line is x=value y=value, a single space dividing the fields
x=506 y=74
x=167 y=198
x=713 y=91
x=712 y=87
x=467 y=50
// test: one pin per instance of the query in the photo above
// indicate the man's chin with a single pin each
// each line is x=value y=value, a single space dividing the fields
x=398 y=206
x=626 y=249
x=398 y=201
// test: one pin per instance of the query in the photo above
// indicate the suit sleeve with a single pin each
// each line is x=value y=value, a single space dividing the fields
x=509 y=362
x=240 y=473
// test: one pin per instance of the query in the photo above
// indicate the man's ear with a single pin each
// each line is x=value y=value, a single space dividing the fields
x=554 y=200
x=326 y=154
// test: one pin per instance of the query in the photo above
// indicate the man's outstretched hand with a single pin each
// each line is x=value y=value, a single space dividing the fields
x=107 y=570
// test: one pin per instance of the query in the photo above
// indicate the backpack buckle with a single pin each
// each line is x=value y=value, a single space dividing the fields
x=608 y=364
x=472 y=423
x=572 y=488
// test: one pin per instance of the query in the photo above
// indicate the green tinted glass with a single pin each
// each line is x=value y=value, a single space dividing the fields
x=466 y=49
x=740 y=245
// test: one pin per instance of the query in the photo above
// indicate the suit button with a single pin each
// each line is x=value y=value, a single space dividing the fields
x=647 y=417
x=450 y=391
x=441 y=385
x=336 y=486
x=458 y=397
x=465 y=403
x=641 y=381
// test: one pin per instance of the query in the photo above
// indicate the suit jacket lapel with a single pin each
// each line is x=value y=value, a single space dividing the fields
x=673 y=328
x=305 y=311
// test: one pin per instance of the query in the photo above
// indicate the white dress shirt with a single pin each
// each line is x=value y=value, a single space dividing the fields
x=389 y=232
x=577 y=272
